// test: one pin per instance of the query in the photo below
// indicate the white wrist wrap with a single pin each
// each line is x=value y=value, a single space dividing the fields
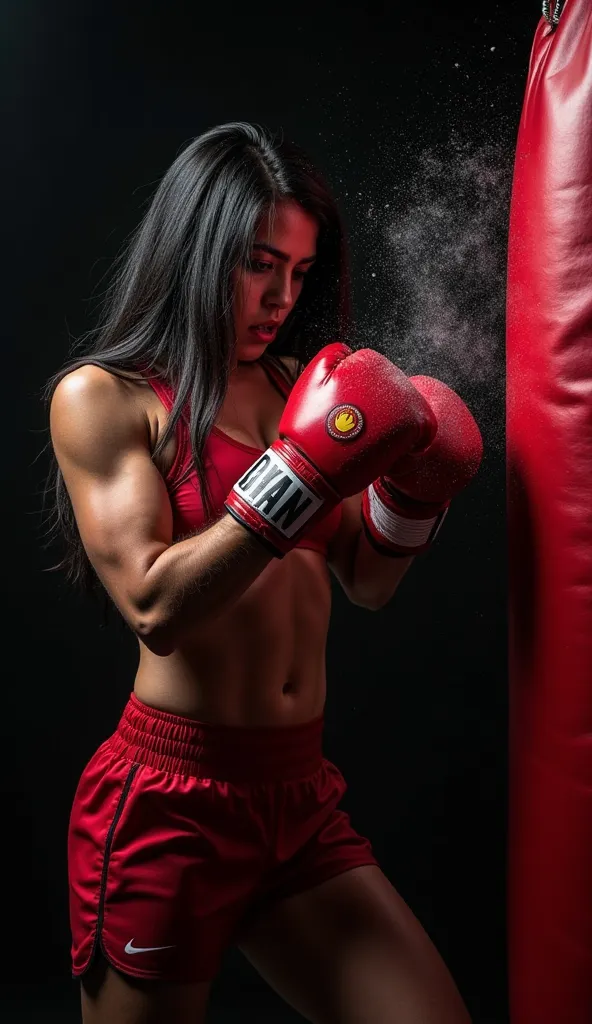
x=400 y=530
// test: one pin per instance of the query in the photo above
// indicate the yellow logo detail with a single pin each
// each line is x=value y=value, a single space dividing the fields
x=344 y=422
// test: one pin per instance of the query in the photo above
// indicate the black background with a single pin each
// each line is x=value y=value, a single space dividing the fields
x=101 y=97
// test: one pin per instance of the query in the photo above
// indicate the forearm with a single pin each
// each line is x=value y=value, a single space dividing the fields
x=375 y=576
x=196 y=578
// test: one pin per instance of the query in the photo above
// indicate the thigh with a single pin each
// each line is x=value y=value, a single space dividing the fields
x=350 y=951
x=109 y=997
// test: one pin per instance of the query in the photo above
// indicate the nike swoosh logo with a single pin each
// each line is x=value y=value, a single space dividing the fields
x=130 y=948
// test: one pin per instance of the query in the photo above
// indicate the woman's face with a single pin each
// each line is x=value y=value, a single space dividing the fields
x=266 y=291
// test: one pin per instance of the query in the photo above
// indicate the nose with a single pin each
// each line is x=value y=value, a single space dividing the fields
x=279 y=294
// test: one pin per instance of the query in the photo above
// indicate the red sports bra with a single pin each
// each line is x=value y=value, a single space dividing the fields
x=225 y=460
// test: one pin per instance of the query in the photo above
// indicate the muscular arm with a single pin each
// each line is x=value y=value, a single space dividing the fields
x=101 y=441
x=368 y=578
x=194 y=579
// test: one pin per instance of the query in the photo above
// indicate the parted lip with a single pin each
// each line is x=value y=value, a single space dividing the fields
x=268 y=323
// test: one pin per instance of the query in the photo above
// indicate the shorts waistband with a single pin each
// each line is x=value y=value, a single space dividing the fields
x=185 y=746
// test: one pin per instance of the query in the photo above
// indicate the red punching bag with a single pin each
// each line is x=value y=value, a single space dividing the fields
x=549 y=447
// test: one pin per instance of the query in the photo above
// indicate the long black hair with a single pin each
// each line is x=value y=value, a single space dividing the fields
x=168 y=309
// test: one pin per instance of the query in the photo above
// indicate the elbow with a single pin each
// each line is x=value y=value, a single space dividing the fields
x=163 y=636
x=152 y=622
x=162 y=632
x=158 y=644
x=370 y=601
x=375 y=605
x=155 y=635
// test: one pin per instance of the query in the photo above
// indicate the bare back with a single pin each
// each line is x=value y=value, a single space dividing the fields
x=261 y=659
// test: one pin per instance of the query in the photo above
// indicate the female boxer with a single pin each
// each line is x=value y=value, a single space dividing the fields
x=210 y=485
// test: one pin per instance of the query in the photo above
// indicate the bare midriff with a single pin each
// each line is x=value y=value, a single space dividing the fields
x=261 y=662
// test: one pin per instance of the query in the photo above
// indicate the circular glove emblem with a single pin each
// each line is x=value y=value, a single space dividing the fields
x=344 y=422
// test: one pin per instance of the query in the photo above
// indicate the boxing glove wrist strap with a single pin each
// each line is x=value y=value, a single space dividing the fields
x=280 y=496
x=395 y=525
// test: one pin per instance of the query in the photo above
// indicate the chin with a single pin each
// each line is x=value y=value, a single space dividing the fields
x=249 y=351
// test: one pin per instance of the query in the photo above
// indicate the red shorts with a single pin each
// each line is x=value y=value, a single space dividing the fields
x=182 y=832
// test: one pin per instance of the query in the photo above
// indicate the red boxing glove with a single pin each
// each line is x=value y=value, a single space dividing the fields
x=403 y=510
x=349 y=417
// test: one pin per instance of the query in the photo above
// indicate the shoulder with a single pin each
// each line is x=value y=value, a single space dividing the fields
x=88 y=381
x=82 y=390
x=91 y=384
x=89 y=402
